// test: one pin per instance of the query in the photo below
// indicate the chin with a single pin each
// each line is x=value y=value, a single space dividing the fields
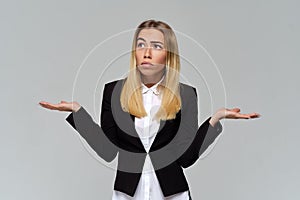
x=145 y=71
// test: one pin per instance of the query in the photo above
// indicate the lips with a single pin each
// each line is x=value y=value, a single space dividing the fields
x=146 y=64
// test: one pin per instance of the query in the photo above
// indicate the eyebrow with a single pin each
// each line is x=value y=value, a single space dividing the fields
x=150 y=41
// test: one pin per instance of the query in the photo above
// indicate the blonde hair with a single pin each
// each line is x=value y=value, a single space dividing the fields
x=131 y=96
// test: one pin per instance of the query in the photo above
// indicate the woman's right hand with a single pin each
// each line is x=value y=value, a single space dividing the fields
x=62 y=106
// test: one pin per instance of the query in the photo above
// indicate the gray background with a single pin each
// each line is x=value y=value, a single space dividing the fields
x=252 y=43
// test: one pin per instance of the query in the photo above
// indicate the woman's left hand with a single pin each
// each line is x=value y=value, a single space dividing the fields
x=233 y=113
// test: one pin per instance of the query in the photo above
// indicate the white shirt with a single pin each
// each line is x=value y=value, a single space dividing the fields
x=147 y=127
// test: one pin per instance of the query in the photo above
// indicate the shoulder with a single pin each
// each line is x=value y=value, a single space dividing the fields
x=111 y=85
x=113 y=88
x=186 y=89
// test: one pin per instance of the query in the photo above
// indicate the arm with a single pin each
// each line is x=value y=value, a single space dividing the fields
x=102 y=140
x=205 y=134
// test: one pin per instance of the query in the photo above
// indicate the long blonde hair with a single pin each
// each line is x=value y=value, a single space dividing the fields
x=131 y=96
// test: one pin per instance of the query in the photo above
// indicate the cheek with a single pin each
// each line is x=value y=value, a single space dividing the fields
x=161 y=58
x=137 y=56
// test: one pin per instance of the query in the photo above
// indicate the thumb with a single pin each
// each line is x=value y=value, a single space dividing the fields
x=63 y=102
x=235 y=109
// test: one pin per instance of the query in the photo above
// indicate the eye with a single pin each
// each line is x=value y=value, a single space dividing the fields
x=157 y=46
x=140 y=45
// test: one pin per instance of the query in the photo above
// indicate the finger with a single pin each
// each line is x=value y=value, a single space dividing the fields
x=236 y=109
x=63 y=102
x=233 y=109
x=48 y=105
x=242 y=116
x=255 y=115
x=43 y=102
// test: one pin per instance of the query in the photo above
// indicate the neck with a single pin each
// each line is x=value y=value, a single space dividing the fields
x=149 y=85
x=150 y=81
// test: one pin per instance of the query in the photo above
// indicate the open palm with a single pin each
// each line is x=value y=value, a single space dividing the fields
x=234 y=113
x=62 y=106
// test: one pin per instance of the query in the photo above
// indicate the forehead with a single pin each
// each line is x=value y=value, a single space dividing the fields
x=151 y=34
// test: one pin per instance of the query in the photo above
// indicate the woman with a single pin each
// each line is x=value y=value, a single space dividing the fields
x=149 y=120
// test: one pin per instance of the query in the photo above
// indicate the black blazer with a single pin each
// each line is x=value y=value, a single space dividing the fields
x=178 y=144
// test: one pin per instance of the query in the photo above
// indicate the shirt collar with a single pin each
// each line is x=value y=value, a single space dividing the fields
x=154 y=89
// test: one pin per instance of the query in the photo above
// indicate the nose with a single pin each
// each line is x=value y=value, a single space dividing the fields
x=148 y=53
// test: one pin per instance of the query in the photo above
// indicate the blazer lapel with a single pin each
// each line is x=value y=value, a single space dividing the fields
x=159 y=134
x=124 y=120
x=166 y=132
x=126 y=123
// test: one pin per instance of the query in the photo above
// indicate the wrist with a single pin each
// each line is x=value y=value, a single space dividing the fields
x=75 y=107
x=214 y=120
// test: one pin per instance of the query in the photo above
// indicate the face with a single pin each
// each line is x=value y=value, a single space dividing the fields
x=150 y=55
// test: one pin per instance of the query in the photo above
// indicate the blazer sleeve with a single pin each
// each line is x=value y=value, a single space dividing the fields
x=205 y=134
x=101 y=139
